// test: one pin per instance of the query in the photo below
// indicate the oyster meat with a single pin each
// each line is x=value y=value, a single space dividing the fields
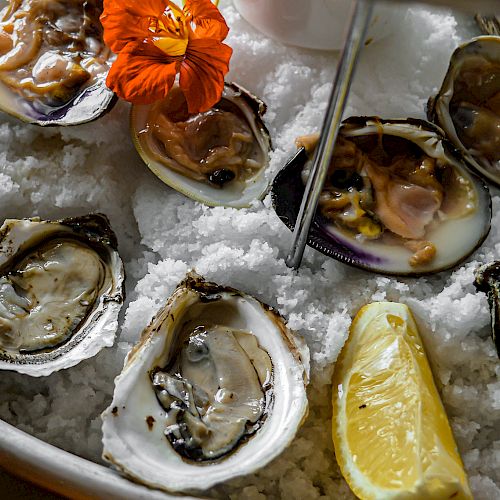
x=467 y=106
x=216 y=380
x=396 y=200
x=53 y=61
x=217 y=157
x=60 y=292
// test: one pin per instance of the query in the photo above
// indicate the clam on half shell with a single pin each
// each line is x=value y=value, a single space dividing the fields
x=403 y=202
x=53 y=61
x=218 y=157
x=214 y=389
x=467 y=107
x=61 y=289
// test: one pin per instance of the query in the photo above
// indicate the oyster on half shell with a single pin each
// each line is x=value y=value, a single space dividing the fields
x=397 y=199
x=214 y=389
x=467 y=107
x=53 y=61
x=218 y=157
x=61 y=289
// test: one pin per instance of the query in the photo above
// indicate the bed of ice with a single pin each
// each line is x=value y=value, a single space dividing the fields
x=56 y=173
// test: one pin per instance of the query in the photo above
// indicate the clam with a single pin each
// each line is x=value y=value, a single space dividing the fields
x=488 y=281
x=53 y=61
x=61 y=289
x=467 y=107
x=214 y=389
x=218 y=157
x=397 y=200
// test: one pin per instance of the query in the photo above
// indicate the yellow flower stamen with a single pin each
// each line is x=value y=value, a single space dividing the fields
x=171 y=31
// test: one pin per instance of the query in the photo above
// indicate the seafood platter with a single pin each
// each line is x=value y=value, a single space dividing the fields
x=153 y=342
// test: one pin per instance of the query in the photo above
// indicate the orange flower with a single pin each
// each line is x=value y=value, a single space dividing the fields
x=156 y=39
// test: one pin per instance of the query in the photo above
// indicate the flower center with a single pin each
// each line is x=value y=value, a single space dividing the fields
x=171 y=31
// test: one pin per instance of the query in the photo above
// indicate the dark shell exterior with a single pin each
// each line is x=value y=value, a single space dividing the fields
x=488 y=281
x=288 y=188
x=438 y=106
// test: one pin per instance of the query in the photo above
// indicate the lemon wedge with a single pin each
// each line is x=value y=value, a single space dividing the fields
x=391 y=434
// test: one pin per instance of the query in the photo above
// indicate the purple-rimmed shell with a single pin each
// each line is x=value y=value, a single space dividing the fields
x=455 y=239
x=54 y=62
x=88 y=105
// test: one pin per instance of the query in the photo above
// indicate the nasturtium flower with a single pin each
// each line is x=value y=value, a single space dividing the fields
x=157 y=39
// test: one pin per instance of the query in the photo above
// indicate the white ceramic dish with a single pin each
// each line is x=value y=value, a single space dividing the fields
x=315 y=24
x=64 y=473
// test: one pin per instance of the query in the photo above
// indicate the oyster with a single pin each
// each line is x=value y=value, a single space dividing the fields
x=488 y=281
x=61 y=289
x=467 y=106
x=397 y=200
x=53 y=61
x=218 y=157
x=214 y=389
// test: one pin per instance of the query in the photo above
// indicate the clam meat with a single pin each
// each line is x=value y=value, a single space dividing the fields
x=53 y=61
x=60 y=292
x=217 y=157
x=396 y=199
x=216 y=380
x=467 y=106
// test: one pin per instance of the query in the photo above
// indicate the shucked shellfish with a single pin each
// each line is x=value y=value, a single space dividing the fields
x=218 y=157
x=53 y=61
x=61 y=289
x=215 y=388
x=397 y=199
x=467 y=106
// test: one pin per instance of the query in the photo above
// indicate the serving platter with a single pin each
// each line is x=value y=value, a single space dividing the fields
x=162 y=235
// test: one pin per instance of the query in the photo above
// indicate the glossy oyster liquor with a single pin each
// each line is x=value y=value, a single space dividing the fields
x=217 y=382
x=61 y=290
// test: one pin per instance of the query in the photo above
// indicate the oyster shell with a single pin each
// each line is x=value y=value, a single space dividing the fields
x=53 y=61
x=218 y=157
x=488 y=281
x=61 y=289
x=397 y=199
x=214 y=389
x=467 y=106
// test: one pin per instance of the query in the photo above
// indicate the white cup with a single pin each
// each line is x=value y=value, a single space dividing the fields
x=315 y=24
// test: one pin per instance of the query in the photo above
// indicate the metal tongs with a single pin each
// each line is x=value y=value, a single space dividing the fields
x=360 y=19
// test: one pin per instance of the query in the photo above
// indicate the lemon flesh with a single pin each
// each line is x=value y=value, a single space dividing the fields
x=391 y=434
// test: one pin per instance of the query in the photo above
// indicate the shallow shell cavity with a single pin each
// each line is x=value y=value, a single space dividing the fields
x=217 y=157
x=46 y=294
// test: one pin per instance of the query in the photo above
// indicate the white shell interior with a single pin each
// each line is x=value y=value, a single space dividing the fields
x=99 y=327
x=237 y=195
x=147 y=455
x=453 y=238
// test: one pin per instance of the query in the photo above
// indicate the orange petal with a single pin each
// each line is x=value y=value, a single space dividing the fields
x=128 y=20
x=202 y=73
x=142 y=74
x=208 y=20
